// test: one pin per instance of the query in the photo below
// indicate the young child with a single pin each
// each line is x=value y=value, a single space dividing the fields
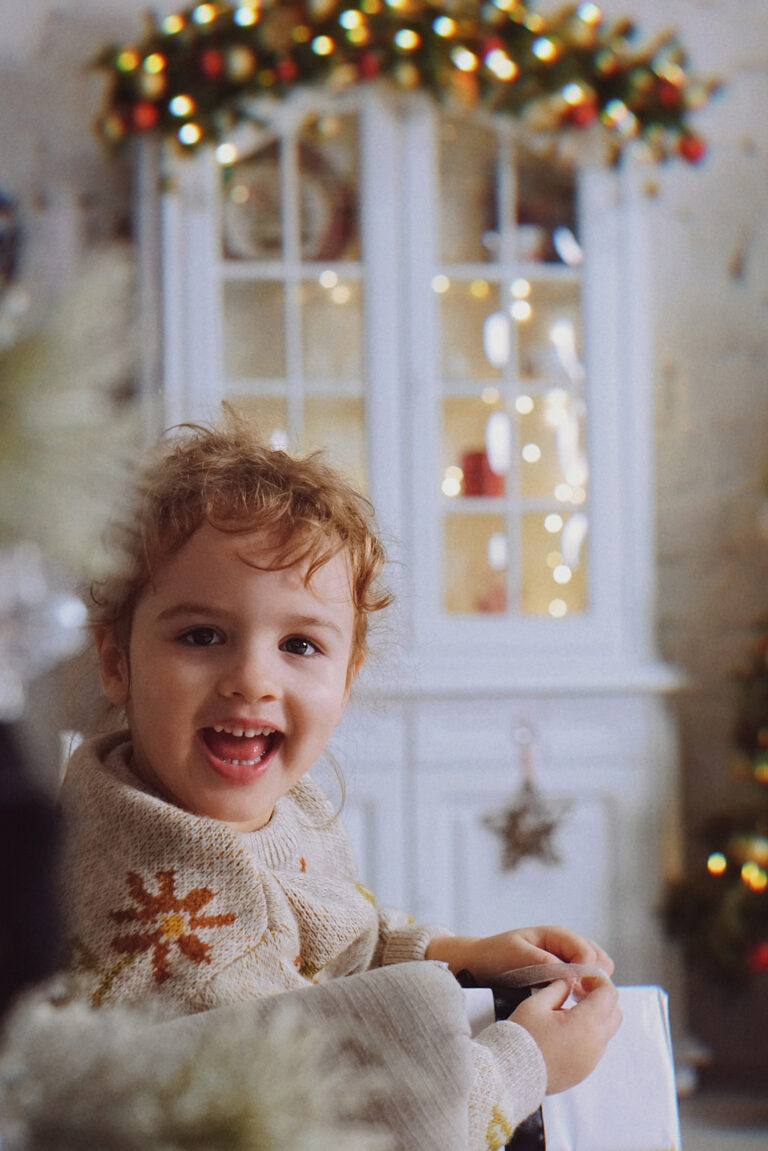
x=203 y=866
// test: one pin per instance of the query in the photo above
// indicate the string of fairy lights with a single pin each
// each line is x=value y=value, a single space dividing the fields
x=193 y=76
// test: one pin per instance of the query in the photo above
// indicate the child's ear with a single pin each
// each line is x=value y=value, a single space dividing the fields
x=113 y=666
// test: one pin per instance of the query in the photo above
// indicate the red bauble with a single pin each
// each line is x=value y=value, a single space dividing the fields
x=286 y=70
x=211 y=63
x=144 y=115
x=369 y=65
x=669 y=95
x=692 y=148
x=581 y=115
x=757 y=957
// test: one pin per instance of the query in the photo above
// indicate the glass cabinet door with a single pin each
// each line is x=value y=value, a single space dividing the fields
x=292 y=288
x=513 y=472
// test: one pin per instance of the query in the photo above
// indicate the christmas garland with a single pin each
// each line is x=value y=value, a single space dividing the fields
x=193 y=76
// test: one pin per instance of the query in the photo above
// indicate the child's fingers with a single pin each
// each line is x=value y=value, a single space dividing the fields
x=601 y=1008
x=553 y=996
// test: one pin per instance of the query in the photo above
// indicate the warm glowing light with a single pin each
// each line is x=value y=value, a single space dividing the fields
x=181 y=106
x=479 y=289
x=617 y=115
x=717 y=863
x=520 y=288
x=322 y=45
x=440 y=284
x=761 y=772
x=562 y=574
x=204 y=13
x=172 y=24
x=341 y=294
x=558 y=608
x=445 y=26
x=452 y=481
x=154 y=63
x=498 y=62
x=128 y=60
x=578 y=494
x=524 y=405
x=464 y=60
x=521 y=310
x=226 y=154
x=328 y=278
x=563 y=493
x=351 y=19
x=553 y=522
x=544 y=48
x=490 y=395
x=531 y=453
x=190 y=134
x=754 y=876
x=589 y=13
x=406 y=39
x=574 y=94
x=245 y=17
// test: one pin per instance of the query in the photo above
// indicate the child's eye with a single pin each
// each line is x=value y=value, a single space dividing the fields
x=298 y=645
x=201 y=637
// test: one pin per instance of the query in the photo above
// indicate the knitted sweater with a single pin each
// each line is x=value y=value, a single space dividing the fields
x=162 y=903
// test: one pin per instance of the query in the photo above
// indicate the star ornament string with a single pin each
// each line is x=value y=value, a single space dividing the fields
x=528 y=825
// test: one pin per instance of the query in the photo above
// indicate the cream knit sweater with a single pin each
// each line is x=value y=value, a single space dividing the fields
x=163 y=904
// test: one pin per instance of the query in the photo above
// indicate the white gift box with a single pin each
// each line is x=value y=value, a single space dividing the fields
x=629 y=1102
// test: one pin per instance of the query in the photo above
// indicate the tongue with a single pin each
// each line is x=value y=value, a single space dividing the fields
x=227 y=746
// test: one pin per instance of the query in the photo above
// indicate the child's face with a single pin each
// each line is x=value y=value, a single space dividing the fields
x=235 y=677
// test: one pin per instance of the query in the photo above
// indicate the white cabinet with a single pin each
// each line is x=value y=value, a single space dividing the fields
x=459 y=318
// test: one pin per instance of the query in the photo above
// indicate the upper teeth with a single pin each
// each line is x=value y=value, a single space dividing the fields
x=248 y=732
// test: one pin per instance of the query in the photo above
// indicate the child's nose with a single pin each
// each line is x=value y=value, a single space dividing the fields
x=251 y=674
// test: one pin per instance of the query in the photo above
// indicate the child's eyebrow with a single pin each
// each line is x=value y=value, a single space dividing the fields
x=189 y=608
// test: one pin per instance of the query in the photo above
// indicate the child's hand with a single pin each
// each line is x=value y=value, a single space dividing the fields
x=493 y=954
x=572 y=1040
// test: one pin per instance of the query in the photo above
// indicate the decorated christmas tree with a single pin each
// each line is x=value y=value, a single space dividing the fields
x=720 y=911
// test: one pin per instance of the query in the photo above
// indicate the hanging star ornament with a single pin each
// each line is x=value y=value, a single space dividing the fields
x=527 y=828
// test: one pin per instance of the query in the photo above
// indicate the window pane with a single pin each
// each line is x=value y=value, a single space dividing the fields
x=553 y=459
x=336 y=424
x=548 y=330
x=468 y=213
x=554 y=562
x=475 y=552
x=254 y=330
x=330 y=189
x=546 y=211
x=468 y=313
x=332 y=328
x=252 y=206
x=269 y=416
x=466 y=469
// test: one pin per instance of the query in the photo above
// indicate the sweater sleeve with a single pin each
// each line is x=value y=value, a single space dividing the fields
x=400 y=939
x=510 y=1083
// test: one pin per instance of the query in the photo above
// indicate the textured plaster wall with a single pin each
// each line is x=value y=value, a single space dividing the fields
x=708 y=247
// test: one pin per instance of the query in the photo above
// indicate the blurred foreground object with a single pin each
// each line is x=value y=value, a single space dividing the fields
x=122 y=1079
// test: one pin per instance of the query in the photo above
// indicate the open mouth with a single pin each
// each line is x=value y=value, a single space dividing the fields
x=241 y=747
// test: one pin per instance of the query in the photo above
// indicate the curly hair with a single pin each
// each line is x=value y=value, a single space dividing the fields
x=226 y=476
